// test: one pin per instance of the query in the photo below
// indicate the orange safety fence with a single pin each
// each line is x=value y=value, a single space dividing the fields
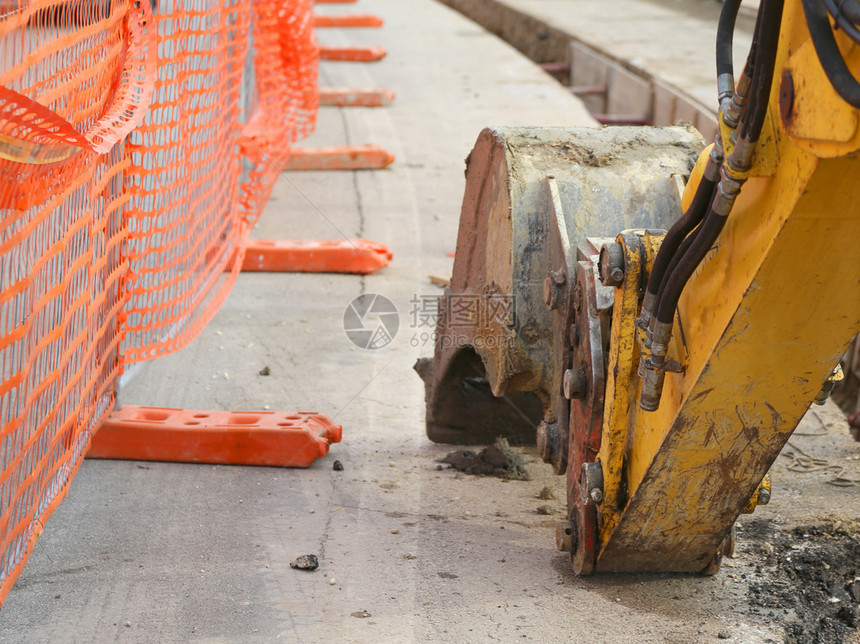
x=227 y=78
x=285 y=97
x=74 y=81
x=136 y=150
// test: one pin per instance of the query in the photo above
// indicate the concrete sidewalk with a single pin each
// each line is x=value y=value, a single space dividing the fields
x=655 y=57
x=148 y=552
x=672 y=41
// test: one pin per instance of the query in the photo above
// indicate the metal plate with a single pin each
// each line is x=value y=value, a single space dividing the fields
x=586 y=414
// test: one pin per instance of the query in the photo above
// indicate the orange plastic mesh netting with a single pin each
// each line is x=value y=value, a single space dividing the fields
x=283 y=96
x=236 y=84
x=136 y=150
x=74 y=81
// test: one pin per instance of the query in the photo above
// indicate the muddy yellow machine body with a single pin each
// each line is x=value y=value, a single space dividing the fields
x=665 y=435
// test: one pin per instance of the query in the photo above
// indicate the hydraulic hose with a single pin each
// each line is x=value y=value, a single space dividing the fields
x=679 y=231
x=749 y=116
x=849 y=9
x=704 y=192
x=725 y=34
x=687 y=264
x=846 y=15
x=767 y=40
x=682 y=249
x=828 y=53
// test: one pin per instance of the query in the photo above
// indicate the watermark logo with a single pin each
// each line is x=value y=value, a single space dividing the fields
x=470 y=319
x=371 y=321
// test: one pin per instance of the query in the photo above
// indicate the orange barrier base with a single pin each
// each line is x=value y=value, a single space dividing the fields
x=353 y=54
x=323 y=256
x=355 y=97
x=349 y=20
x=342 y=157
x=279 y=439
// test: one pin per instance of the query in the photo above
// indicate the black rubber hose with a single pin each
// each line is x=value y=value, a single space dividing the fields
x=846 y=15
x=849 y=9
x=682 y=249
x=828 y=53
x=766 y=41
x=679 y=231
x=749 y=66
x=725 y=34
x=710 y=229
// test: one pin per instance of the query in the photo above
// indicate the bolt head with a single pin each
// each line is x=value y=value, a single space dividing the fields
x=591 y=483
x=611 y=264
x=763 y=496
x=552 y=446
x=547 y=439
x=575 y=384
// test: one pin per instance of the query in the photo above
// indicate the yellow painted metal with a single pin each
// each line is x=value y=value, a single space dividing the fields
x=695 y=177
x=765 y=159
x=640 y=249
x=620 y=373
x=817 y=111
x=820 y=122
x=759 y=328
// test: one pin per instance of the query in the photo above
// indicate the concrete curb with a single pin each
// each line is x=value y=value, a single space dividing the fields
x=627 y=89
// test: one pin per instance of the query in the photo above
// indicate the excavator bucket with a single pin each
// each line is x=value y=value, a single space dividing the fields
x=533 y=198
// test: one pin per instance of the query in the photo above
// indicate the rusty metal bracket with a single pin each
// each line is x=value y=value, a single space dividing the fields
x=586 y=412
x=552 y=433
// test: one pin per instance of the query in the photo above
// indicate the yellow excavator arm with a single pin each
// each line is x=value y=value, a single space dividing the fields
x=664 y=312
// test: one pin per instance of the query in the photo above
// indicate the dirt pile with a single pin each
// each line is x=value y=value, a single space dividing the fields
x=496 y=460
x=813 y=571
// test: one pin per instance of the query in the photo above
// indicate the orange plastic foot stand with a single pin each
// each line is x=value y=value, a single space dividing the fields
x=322 y=256
x=352 y=54
x=355 y=97
x=348 y=20
x=342 y=157
x=275 y=438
